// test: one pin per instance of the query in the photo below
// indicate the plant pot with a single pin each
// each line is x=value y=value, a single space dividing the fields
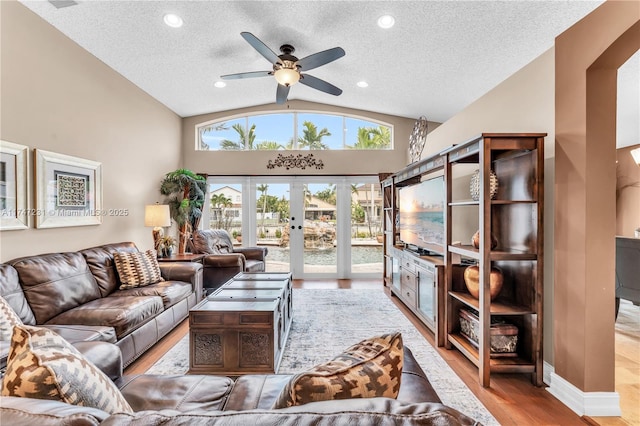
x=472 y=281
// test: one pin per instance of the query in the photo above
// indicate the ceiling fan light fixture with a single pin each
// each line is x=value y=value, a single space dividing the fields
x=362 y=84
x=287 y=76
x=219 y=84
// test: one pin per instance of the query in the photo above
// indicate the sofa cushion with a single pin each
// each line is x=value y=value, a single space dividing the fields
x=100 y=262
x=137 y=269
x=43 y=365
x=124 y=314
x=370 y=368
x=171 y=292
x=8 y=320
x=254 y=266
x=12 y=292
x=54 y=283
x=183 y=393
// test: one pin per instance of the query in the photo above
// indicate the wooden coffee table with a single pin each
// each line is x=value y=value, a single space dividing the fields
x=241 y=328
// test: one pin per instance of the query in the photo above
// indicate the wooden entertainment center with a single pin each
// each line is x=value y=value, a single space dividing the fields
x=494 y=188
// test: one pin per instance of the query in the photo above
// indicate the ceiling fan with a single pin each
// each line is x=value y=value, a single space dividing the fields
x=287 y=69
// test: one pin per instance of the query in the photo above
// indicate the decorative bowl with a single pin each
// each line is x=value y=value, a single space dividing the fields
x=474 y=187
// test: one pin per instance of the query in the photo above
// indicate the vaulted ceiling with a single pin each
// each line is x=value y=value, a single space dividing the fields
x=438 y=57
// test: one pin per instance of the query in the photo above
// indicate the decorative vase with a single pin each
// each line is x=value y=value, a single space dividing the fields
x=474 y=187
x=472 y=281
x=475 y=240
x=167 y=251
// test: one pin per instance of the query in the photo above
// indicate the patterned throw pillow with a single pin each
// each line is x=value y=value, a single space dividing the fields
x=137 y=269
x=8 y=320
x=43 y=365
x=371 y=368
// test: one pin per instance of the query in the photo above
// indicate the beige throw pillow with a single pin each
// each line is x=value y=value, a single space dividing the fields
x=43 y=365
x=137 y=269
x=8 y=320
x=371 y=368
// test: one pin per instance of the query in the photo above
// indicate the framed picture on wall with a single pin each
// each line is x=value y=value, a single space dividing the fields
x=13 y=186
x=68 y=190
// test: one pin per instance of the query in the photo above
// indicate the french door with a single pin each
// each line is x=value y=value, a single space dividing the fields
x=315 y=227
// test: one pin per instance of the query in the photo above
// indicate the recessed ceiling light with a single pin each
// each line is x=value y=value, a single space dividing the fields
x=362 y=84
x=386 y=21
x=173 y=20
x=220 y=84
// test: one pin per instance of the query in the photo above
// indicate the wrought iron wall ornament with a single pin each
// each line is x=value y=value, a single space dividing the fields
x=295 y=161
x=417 y=139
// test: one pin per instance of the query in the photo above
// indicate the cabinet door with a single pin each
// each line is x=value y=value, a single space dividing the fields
x=427 y=294
x=395 y=273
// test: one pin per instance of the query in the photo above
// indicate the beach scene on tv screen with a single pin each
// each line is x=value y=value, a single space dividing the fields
x=422 y=213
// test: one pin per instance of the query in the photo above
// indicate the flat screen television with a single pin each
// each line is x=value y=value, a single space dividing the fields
x=421 y=216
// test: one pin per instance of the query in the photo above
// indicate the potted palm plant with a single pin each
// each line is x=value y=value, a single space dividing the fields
x=185 y=191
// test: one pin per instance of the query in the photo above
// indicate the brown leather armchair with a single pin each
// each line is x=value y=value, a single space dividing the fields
x=627 y=270
x=222 y=260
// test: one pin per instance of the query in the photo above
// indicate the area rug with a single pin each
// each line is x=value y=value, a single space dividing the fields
x=327 y=321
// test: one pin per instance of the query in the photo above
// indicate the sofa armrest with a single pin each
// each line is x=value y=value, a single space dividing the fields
x=230 y=260
x=255 y=253
x=106 y=356
x=188 y=272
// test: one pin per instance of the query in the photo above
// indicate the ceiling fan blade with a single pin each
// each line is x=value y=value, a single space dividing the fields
x=260 y=47
x=282 y=93
x=251 y=74
x=317 y=59
x=318 y=84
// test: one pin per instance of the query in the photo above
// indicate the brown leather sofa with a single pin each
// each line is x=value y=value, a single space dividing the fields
x=212 y=400
x=77 y=295
x=223 y=260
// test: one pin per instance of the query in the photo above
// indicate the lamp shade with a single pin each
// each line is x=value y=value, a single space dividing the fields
x=157 y=215
x=635 y=153
x=287 y=76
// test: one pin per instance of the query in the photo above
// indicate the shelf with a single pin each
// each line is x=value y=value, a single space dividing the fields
x=498 y=362
x=493 y=202
x=497 y=307
x=504 y=254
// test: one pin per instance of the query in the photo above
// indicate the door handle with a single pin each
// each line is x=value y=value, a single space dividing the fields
x=299 y=226
x=293 y=227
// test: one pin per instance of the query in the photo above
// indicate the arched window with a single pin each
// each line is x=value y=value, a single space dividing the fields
x=299 y=130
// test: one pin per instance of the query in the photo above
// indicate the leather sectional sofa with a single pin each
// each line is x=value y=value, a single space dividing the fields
x=213 y=400
x=77 y=295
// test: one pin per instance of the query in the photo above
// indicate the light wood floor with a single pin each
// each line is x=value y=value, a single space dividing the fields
x=512 y=399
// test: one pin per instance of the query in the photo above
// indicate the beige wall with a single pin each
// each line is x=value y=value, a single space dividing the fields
x=57 y=97
x=335 y=162
x=627 y=193
x=522 y=103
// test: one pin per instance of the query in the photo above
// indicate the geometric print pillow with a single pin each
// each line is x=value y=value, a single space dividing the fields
x=137 y=269
x=8 y=320
x=371 y=368
x=43 y=365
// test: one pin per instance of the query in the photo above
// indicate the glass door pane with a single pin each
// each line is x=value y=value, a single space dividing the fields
x=366 y=228
x=319 y=228
x=225 y=209
x=272 y=223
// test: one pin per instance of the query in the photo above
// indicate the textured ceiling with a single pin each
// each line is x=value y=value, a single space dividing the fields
x=438 y=58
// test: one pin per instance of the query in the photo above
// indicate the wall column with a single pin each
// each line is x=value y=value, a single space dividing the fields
x=587 y=58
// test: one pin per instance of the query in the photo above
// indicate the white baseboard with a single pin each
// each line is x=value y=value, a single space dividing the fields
x=597 y=404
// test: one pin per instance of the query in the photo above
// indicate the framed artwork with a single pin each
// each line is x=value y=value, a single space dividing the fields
x=13 y=186
x=68 y=190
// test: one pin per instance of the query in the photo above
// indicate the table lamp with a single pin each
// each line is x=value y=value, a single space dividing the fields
x=158 y=216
